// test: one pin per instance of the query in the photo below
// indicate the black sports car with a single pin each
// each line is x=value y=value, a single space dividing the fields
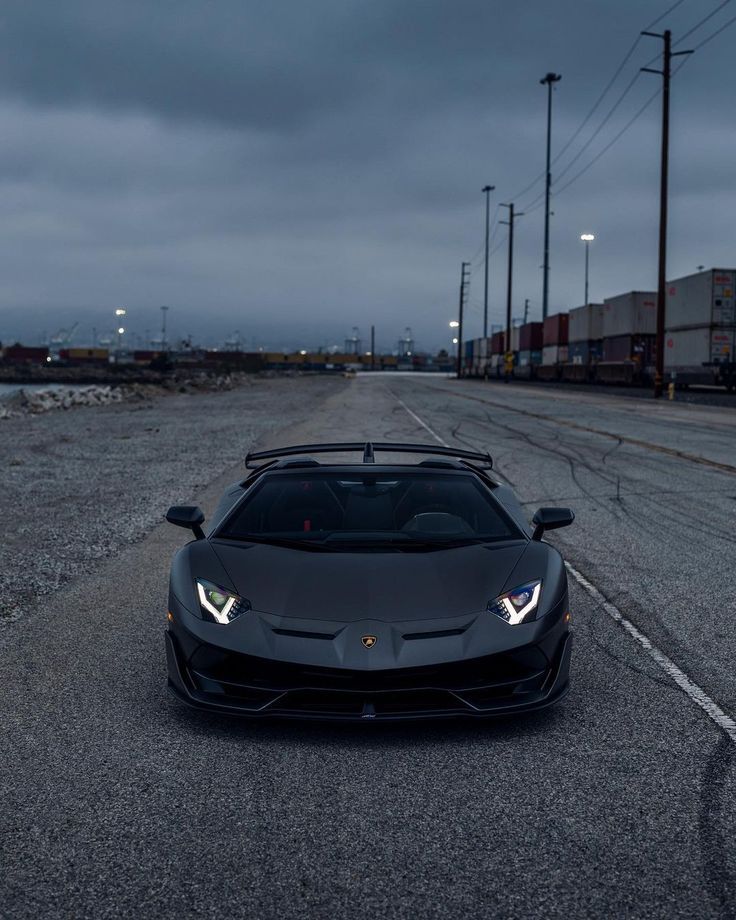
x=368 y=591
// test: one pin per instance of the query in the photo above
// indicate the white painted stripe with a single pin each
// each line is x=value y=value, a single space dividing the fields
x=420 y=422
x=696 y=693
x=689 y=687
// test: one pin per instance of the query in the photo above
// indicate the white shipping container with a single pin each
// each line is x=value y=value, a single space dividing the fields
x=554 y=354
x=586 y=323
x=701 y=299
x=634 y=313
x=515 y=338
x=692 y=348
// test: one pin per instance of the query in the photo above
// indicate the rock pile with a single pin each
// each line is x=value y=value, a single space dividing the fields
x=36 y=402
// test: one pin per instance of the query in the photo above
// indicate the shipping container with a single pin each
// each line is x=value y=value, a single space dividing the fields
x=636 y=348
x=703 y=355
x=634 y=313
x=468 y=348
x=86 y=355
x=531 y=357
x=554 y=354
x=26 y=354
x=584 y=352
x=556 y=329
x=531 y=336
x=515 y=339
x=497 y=343
x=702 y=299
x=586 y=323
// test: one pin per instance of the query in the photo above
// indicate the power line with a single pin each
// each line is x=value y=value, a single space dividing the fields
x=701 y=23
x=610 y=143
x=571 y=140
x=600 y=127
x=666 y=13
x=600 y=99
x=705 y=41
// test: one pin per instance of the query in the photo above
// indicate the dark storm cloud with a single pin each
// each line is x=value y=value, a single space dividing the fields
x=314 y=164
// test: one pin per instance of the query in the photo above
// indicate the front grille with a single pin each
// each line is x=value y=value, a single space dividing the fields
x=259 y=684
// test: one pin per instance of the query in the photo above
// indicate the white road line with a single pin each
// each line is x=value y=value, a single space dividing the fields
x=696 y=693
x=419 y=421
x=689 y=687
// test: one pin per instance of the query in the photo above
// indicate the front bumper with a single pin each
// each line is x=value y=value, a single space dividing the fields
x=518 y=680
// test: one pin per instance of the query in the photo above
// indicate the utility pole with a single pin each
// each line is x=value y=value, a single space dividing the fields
x=487 y=189
x=163 y=329
x=666 y=74
x=509 y=357
x=526 y=310
x=465 y=270
x=373 y=348
x=549 y=79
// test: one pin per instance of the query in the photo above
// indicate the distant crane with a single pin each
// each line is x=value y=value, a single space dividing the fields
x=62 y=337
x=353 y=343
x=406 y=344
x=234 y=342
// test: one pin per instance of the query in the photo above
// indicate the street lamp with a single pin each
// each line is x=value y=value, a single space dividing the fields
x=119 y=313
x=587 y=238
x=454 y=324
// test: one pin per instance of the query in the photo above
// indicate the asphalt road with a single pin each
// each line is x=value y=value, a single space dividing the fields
x=116 y=802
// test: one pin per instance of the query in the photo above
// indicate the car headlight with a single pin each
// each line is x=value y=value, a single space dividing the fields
x=519 y=605
x=219 y=604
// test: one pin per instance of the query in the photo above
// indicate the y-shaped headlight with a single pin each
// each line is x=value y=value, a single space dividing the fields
x=519 y=605
x=219 y=604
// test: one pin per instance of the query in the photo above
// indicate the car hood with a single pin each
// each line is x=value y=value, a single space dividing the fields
x=384 y=586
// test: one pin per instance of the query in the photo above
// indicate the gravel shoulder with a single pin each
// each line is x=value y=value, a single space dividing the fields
x=78 y=485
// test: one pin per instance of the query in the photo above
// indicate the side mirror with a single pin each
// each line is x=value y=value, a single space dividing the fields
x=551 y=519
x=189 y=516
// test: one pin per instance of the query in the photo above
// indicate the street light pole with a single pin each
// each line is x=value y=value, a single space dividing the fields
x=487 y=189
x=549 y=79
x=587 y=238
x=463 y=286
x=509 y=356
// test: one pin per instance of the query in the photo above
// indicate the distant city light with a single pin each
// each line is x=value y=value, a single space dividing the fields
x=121 y=330
x=454 y=341
x=303 y=351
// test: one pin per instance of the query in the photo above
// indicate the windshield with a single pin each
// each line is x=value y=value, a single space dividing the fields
x=339 y=509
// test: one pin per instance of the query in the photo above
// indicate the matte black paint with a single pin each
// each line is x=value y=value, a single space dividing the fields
x=310 y=611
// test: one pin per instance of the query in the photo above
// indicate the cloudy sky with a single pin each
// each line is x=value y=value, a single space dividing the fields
x=294 y=168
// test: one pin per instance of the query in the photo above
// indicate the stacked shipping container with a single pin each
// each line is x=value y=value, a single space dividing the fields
x=700 y=321
x=629 y=327
x=556 y=329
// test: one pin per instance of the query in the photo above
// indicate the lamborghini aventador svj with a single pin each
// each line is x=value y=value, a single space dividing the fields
x=366 y=590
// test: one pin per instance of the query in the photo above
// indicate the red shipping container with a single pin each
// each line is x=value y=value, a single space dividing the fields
x=497 y=340
x=556 y=329
x=25 y=354
x=530 y=337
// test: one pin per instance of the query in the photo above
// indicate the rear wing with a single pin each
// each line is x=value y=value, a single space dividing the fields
x=368 y=449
